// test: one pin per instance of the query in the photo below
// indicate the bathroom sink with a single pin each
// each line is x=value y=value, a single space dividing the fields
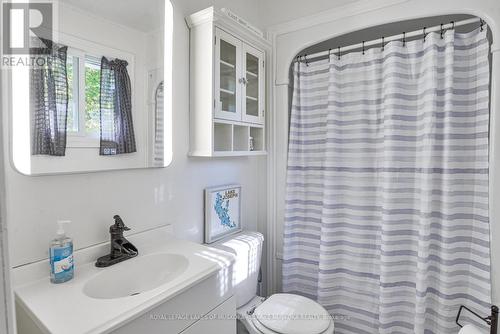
x=136 y=276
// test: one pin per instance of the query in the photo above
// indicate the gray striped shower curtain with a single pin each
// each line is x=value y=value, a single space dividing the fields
x=387 y=185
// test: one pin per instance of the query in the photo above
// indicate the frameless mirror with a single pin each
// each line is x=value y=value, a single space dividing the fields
x=86 y=85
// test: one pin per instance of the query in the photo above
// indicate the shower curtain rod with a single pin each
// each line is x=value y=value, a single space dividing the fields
x=381 y=41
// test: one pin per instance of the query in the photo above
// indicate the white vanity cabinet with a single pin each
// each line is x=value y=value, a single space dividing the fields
x=207 y=305
x=227 y=85
x=173 y=286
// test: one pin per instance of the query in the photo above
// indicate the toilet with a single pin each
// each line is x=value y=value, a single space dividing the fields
x=281 y=313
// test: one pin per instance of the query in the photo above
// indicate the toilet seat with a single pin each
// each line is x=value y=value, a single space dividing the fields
x=287 y=314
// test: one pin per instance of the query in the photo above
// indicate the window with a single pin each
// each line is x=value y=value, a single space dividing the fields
x=84 y=75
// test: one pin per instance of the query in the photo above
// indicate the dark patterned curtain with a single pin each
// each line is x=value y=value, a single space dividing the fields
x=49 y=100
x=117 y=129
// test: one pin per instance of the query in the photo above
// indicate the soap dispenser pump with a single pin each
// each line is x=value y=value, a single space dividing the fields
x=61 y=255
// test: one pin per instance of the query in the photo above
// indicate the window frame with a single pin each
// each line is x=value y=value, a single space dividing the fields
x=80 y=48
x=80 y=138
x=78 y=87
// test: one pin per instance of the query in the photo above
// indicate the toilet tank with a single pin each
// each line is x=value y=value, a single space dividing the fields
x=247 y=247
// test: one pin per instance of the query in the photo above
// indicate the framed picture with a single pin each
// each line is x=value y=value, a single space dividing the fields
x=222 y=212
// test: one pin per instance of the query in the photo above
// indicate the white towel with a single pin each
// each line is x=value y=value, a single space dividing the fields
x=470 y=329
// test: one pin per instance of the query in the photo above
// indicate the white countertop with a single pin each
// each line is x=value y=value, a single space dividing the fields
x=64 y=308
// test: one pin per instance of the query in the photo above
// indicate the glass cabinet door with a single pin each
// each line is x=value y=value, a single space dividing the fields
x=253 y=85
x=227 y=103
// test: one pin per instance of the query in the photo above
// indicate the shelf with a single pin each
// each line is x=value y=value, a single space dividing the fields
x=225 y=121
x=238 y=153
x=225 y=63
x=258 y=138
x=241 y=136
x=252 y=74
x=230 y=92
x=221 y=154
x=231 y=139
x=223 y=134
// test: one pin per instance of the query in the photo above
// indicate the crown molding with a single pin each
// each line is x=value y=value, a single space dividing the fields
x=221 y=18
x=333 y=14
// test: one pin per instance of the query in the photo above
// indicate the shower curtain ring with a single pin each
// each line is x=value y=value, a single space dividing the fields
x=442 y=31
x=305 y=60
x=404 y=38
x=363 y=47
x=452 y=25
x=482 y=24
x=338 y=55
x=383 y=44
x=425 y=35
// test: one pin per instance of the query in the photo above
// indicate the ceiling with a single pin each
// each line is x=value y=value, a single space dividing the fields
x=143 y=15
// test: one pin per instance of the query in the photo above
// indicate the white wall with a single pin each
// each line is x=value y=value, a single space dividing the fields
x=144 y=198
x=278 y=11
x=292 y=37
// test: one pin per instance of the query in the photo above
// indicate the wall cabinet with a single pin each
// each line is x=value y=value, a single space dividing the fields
x=227 y=86
x=239 y=80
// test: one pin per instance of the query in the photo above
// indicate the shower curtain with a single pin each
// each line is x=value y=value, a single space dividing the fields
x=387 y=185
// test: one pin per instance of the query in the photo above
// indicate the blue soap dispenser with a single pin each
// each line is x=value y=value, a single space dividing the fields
x=61 y=256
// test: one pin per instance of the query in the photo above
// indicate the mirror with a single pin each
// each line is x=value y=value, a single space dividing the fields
x=90 y=92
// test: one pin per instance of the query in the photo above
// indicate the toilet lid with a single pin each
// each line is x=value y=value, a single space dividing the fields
x=292 y=314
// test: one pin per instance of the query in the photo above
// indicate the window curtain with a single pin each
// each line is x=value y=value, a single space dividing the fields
x=117 y=129
x=387 y=185
x=49 y=100
x=158 y=155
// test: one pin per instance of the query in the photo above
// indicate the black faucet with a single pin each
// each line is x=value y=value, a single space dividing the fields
x=121 y=248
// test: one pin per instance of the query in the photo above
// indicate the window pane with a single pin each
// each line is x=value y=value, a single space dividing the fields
x=228 y=76
x=252 y=86
x=72 y=75
x=92 y=93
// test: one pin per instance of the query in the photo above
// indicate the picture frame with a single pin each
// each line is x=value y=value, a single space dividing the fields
x=222 y=212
